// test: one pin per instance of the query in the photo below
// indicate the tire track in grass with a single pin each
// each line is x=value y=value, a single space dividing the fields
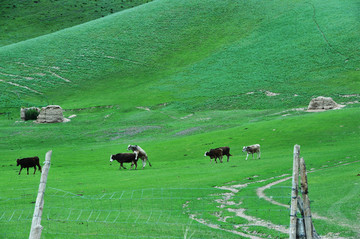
x=332 y=211
x=227 y=199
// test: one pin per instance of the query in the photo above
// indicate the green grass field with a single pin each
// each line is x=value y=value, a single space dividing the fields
x=179 y=78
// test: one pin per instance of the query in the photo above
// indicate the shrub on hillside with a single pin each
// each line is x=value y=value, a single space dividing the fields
x=31 y=114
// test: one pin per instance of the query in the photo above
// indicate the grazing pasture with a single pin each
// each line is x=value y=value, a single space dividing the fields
x=180 y=78
x=181 y=190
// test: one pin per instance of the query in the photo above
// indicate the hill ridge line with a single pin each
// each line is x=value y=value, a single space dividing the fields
x=78 y=25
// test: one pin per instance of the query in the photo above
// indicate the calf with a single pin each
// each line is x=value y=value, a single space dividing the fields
x=215 y=153
x=251 y=150
x=226 y=151
x=125 y=158
x=28 y=163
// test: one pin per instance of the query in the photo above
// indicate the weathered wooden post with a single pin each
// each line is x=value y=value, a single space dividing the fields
x=36 y=228
x=304 y=192
x=309 y=227
x=300 y=228
x=294 y=193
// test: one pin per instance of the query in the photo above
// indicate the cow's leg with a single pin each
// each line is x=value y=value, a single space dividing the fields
x=228 y=157
x=20 y=169
x=143 y=162
x=27 y=170
x=259 y=154
x=135 y=165
x=247 y=155
x=34 y=169
x=253 y=155
x=221 y=159
x=122 y=165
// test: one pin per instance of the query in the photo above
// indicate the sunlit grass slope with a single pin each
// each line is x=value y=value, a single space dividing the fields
x=192 y=54
x=80 y=165
x=22 y=20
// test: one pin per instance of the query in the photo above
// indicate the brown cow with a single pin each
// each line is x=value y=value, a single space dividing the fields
x=28 y=163
x=214 y=154
x=226 y=151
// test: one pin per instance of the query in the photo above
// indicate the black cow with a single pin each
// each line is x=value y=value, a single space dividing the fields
x=28 y=163
x=125 y=158
x=214 y=154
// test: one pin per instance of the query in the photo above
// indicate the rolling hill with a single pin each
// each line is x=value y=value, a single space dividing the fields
x=22 y=20
x=288 y=50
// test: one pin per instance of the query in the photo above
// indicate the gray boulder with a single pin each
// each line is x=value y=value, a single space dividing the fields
x=322 y=103
x=51 y=114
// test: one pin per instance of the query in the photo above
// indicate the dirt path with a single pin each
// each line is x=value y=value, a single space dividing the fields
x=228 y=199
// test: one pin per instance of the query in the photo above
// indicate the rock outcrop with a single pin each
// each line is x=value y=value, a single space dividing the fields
x=51 y=114
x=323 y=103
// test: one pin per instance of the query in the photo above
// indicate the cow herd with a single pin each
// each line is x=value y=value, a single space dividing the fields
x=139 y=153
x=218 y=153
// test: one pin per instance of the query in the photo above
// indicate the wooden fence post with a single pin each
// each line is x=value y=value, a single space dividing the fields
x=36 y=228
x=294 y=193
x=309 y=227
x=304 y=192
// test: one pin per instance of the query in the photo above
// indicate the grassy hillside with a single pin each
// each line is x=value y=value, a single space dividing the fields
x=179 y=78
x=290 y=49
x=22 y=20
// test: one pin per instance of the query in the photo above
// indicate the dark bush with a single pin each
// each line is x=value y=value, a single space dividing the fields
x=31 y=114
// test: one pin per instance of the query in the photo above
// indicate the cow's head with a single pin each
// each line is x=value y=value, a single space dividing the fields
x=18 y=162
x=244 y=149
x=206 y=153
x=132 y=147
x=111 y=158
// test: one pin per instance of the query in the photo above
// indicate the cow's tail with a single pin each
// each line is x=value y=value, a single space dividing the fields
x=148 y=161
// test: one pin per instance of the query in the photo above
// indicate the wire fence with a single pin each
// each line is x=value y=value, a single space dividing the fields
x=148 y=213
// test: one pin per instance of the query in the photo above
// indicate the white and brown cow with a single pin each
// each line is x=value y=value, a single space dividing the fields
x=255 y=148
x=140 y=153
